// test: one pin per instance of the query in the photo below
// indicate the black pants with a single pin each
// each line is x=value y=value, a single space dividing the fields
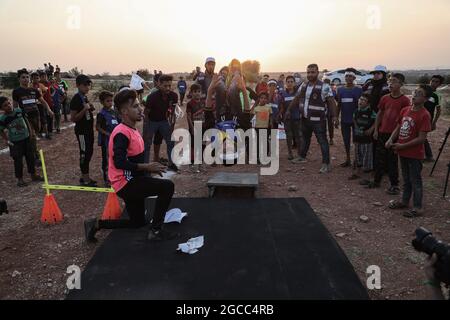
x=19 y=150
x=293 y=129
x=319 y=128
x=49 y=123
x=428 y=151
x=386 y=161
x=182 y=94
x=104 y=148
x=412 y=177
x=134 y=195
x=86 y=145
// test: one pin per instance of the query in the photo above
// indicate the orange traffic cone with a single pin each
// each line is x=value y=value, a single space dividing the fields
x=50 y=212
x=112 y=209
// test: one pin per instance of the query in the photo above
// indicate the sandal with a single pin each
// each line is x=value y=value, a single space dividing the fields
x=395 y=204
x=413 y=213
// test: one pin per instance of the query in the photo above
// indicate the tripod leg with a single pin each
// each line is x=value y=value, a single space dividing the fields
x=440 y=151
x=446 y=181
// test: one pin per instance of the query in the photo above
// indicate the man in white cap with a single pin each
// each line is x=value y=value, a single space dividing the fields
x=377 y=87
x=205 y=79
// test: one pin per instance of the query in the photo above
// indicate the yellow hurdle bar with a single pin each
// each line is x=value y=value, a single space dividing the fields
x=44 y=171
x=77 y=188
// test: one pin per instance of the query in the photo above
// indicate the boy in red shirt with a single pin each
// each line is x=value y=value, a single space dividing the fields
x=387 y=118
x=410 y=134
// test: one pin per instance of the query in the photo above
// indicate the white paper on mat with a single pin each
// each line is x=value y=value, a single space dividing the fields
x=192 y=245
x=174 y=215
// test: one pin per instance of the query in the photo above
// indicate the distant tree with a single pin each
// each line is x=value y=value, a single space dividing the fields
x=145 y=74
x=447 y=79
x=424 y=79
x=10 y=80
x=74 y=72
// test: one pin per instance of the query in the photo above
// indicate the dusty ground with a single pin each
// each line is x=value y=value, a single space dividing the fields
x=34 y=257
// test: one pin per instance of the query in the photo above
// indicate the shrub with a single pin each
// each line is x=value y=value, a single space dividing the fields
x=10 y=80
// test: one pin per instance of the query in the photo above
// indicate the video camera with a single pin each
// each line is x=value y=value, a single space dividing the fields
x=425 y=242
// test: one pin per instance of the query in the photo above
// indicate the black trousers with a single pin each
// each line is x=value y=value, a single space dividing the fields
x=104 y=147
x=86 y=146
x=19 y=150
x=386 y=161
x=134 y=195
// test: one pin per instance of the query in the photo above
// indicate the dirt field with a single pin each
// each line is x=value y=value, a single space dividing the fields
x=34 y=257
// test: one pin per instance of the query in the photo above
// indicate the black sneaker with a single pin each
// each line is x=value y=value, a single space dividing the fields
x=22 y=184
x=161 y=235
x=90 y=228
x=37 y=178
x=372 y=185
x=364 y=182
x=91 y=183
x=393 y=190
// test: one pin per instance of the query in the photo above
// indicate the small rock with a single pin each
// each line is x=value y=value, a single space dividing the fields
x=353 y=194
x=59 y=245
x=16 y=273
x=341 y=235
x=364 y=219
x=288 y=170
x=377 y=204
x=279 y=184
x=292 y=188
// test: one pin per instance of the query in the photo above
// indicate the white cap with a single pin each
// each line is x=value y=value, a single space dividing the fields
x=210 y=59
x=272 y=81
x=379 y=68
x=350 y=73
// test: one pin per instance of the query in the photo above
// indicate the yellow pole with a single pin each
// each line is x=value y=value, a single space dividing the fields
x=77 y=188
x=44 y=172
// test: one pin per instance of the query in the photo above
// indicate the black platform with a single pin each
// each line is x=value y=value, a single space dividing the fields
x=254 y=249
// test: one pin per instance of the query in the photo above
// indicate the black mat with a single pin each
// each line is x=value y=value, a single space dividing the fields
x=254 y=249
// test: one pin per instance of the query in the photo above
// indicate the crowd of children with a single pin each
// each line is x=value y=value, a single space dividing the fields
x=384 y=125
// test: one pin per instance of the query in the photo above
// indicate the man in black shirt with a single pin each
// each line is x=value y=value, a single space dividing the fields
x=81 y=114
x=27 y=99
x=160 y=106
x=433 y=106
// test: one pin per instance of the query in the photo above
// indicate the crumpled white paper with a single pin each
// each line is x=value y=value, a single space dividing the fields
x=192 y=245
x=174 y=215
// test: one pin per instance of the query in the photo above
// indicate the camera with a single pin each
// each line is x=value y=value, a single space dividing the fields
x=425 y=242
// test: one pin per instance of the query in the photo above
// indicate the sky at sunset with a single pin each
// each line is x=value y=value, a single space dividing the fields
x=175 y=35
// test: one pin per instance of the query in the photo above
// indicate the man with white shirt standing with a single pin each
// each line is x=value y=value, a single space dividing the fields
x=315 y=98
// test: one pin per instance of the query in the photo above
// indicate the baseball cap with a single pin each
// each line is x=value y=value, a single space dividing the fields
x=379 y=68
x=210 y=59
x=83 y=79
